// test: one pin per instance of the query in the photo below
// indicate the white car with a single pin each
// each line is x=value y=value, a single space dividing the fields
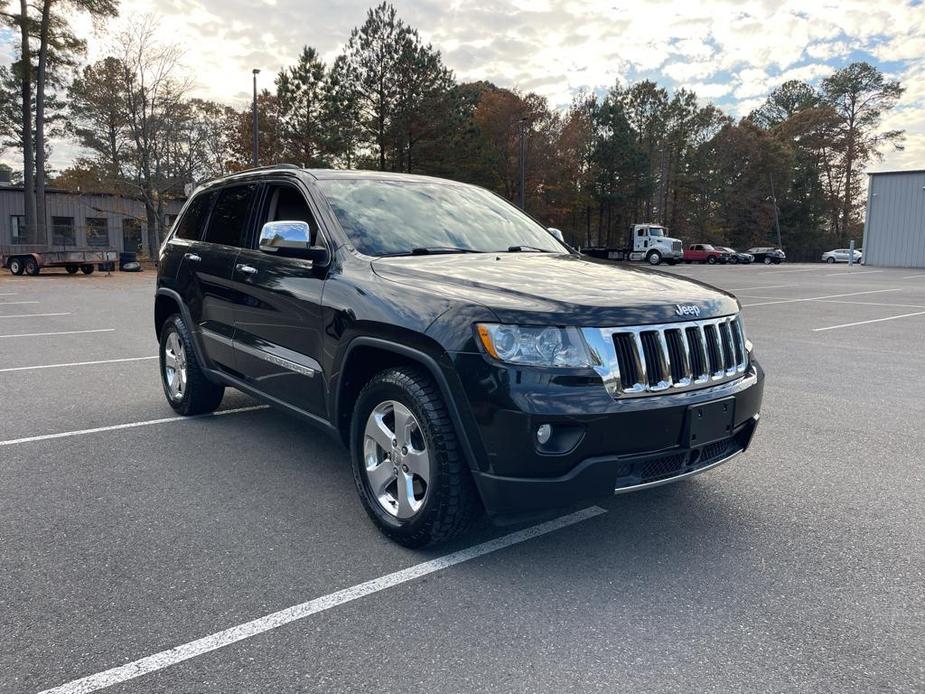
x=841 y=255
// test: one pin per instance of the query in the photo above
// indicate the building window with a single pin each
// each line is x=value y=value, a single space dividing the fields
x=62 y=231
x=97 y=232
x=18 y=232
x=131 y=235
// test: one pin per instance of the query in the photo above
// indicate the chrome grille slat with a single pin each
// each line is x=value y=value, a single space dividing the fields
x=651 y=359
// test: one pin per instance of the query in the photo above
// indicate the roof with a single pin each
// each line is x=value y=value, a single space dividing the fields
x=896 y=171
x=326 y=174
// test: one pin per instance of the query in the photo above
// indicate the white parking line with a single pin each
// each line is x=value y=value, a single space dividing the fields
x=817 y=298
x=63 y=332
x=869 y=303
x=853 y=272
x=36 y=315
x=261 y=625
x=910 y=277
x=7 y=293
x=75 y=363
x=865 y=322
x=131 y=425
x=16 y=303
x=746 y=289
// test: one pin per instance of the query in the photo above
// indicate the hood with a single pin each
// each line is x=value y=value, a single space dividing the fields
x=543 y=288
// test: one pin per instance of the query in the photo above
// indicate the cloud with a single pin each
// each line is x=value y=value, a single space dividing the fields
x=733 y=51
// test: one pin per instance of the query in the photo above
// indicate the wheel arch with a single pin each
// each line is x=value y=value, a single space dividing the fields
x=166 y=303
x=366 y=356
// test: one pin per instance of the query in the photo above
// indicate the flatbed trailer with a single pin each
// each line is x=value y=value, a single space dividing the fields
x=30 y=259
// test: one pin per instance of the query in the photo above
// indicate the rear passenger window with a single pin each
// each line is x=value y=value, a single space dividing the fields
x=228 y=222
x=190 y=224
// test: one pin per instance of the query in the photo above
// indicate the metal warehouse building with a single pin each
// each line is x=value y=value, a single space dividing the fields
x=894 y=230
x=80 y=219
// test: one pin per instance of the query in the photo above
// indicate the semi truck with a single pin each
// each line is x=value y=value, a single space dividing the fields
x=646 y=242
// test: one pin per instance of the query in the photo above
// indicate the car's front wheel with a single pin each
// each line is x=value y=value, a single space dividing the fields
x=830 y=260
x=767 y=260
x=409 y=471
x=188 y=390
x=654 y=258
x=16 y=266
x=712 y=260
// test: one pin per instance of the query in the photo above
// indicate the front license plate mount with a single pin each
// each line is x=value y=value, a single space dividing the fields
x=710 y=422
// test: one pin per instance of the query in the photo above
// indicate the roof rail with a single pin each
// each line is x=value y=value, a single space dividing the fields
x=271 y=166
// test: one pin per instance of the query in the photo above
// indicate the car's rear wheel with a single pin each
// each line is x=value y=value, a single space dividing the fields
x=734 y=260
x=767 y=260
x=188 y=390
x=409 y=471
x=87 y=269
x=71 y=269
x=30 y=266
x=16 y=266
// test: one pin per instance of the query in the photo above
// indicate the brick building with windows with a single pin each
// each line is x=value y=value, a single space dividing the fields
x=79 y=220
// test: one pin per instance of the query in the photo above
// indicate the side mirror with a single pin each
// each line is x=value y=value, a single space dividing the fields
x=292 y=240
x=557 y=233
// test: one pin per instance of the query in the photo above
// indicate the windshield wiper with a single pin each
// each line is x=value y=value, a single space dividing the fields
x=432 y=250
x=526 y=249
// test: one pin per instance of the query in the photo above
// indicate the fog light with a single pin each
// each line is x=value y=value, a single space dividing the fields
x=543 y=433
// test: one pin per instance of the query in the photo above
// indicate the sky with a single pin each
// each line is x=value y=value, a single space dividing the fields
x=729 y=52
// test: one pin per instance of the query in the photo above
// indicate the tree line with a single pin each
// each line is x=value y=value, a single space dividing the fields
x=633 y=153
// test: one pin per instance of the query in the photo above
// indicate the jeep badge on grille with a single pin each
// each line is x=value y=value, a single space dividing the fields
x=687 y=310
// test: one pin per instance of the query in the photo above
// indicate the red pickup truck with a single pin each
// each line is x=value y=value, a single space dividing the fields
x=704 y=253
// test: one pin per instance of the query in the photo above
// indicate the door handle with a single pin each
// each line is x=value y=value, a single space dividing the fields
x=192 y=257
x=246 y=269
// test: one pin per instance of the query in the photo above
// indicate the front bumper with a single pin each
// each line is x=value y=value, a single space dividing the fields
x=602 y=444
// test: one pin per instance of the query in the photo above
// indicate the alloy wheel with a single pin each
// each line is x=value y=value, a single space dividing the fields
x=175 y=366
x=396 y=461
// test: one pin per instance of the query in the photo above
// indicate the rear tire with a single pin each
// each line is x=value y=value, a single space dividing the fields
x=734 y=261
x=71 y=269
x=186 y=387
x=30 y=266
x=767 y=261
x=390 y=461
x=87 y=269
x=16 y=266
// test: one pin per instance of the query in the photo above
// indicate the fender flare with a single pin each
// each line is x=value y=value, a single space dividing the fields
x=429 y=363
x=187 y=318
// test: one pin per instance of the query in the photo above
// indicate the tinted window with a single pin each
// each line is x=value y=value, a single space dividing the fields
x=190 y=224
x=228 y=221
x=388 y=217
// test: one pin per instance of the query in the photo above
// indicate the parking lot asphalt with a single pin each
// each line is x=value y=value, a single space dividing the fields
x=796 y=567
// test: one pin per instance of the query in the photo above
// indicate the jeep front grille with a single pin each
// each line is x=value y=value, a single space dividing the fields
x=651 y=359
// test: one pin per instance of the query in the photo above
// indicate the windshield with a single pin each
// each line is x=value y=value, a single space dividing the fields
x=656 y=231
x=399 y=217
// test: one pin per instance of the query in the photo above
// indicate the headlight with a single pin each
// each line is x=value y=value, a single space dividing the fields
x=534 y=346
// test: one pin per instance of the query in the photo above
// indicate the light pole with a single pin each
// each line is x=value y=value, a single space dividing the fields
x=256 y=71
x=522 y=130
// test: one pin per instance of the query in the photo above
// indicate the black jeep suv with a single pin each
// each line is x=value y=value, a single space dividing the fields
x=467 y=358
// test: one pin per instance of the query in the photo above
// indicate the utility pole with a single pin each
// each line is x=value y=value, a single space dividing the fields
x=256 y=71
x=776 y=215
x=522 y=131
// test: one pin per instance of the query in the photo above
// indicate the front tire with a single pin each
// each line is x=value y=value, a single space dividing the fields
x=407 y=464
x=654 y=258
x=16 y=266
x=734 y=261
x=30 y=266
x=87 y=269
x=830 y=260
x=712 y=260
x=767 y=261
x=186 y=387
x=71 y=269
